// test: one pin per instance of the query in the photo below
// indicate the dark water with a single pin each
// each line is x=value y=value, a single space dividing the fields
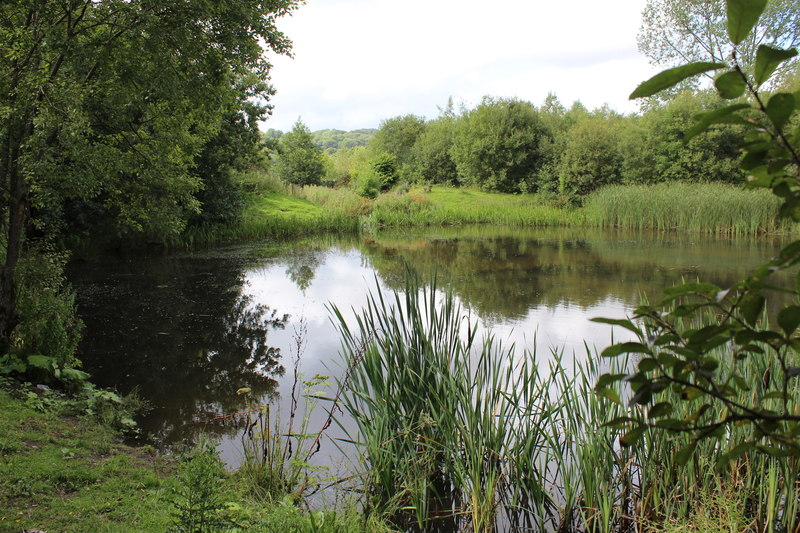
x=187 y=330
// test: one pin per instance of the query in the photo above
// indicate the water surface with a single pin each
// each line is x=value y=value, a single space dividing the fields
x=189 y=329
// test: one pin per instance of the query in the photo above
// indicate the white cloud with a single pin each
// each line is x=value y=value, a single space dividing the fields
x=360 y=61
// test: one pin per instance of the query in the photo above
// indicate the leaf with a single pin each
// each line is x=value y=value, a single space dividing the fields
x=704 y=120
x=632 y=437
x=780 y=108
x=730 y=85
x=668 y=78
x=625 y=347
x=659 y=410
x=685 y=453
x=768 y=59
x=609 y=394
x=627 y=324
x=752 y=305
x=789 y=318
x=742 y=16
x=607 y=379
x=42 y=361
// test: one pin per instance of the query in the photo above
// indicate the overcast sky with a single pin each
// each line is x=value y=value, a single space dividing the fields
x=357 y=62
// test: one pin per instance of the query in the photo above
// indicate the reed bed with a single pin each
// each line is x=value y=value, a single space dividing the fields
x=465 y=434
x=706 y=208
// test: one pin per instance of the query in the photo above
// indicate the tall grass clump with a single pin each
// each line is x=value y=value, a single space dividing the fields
x=707 y=208
x=460 y=430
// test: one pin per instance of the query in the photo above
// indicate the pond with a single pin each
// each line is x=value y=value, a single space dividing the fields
x=187 y=330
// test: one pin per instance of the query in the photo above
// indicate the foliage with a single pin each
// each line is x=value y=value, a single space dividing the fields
x=331 y=141
x=397 y=136
x=299 y=160
x=680 y=31
x=678 y=341
x=430 y=157
x=591 y=157
x=110 y=103
x=498 y=145
x=199 y=499
x=654 y=150
x=384 y=166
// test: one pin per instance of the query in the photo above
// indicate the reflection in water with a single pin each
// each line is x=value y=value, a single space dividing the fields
x=190 y=329
x=182 y=332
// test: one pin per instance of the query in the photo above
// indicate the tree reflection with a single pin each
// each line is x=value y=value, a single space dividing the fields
x=180 y=330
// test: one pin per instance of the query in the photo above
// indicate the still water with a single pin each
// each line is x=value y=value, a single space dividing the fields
x=188 y=329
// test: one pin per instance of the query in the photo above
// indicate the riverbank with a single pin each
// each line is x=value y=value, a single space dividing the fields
x=63 y=470
x=706 y=209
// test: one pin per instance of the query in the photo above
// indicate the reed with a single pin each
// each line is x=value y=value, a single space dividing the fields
x=707 y=208
x=457 y=428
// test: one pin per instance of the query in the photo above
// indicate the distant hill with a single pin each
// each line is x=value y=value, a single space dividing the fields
x=332 y=140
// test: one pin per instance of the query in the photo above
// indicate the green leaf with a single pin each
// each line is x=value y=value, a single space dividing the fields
x=768 y=59
x=625 y=347
x=670 y=77
x=685 y=453
x=780 y=108
x=730 y=85
x=42 y=361
x=789 y=318
x=704 y=120
x=609 y=394
x=607 y=379
x=742 y=16
x=632 y=437
x=627 y=324
x=752 y=305
x=659 y=410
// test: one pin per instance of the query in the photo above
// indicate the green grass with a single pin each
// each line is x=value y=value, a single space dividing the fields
x=72 y=475
x=455 y=426
x=68 y=474
x=705 y=208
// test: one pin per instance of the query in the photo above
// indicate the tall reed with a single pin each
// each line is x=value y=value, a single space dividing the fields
x=464 y=429
x=708 y=208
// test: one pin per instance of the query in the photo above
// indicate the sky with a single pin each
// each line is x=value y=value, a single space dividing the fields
x=358 y=62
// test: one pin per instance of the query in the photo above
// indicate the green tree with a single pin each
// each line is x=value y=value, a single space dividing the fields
x=498 y=145
x=431 y=161
x=112 y=101
x=591 y=156
x=654 y=148
x=680 y=31
x=397 y=136
x=299 y=161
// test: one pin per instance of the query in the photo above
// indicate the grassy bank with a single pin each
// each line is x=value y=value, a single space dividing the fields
x=708 y=209
x=64 y=471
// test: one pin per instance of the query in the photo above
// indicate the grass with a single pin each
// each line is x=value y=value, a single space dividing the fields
x=72 y=474
x=463 y=429
x=705 y=208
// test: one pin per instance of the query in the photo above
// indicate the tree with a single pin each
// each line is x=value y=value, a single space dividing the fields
x=112 y=101
x=397 y=136
x=300 y=160
x=431 y=161
x=683 y=31
x=591 y=157
x=498 y=145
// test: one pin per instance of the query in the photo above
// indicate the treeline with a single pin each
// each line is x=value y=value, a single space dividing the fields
x=330 y=140
x=511 y=145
